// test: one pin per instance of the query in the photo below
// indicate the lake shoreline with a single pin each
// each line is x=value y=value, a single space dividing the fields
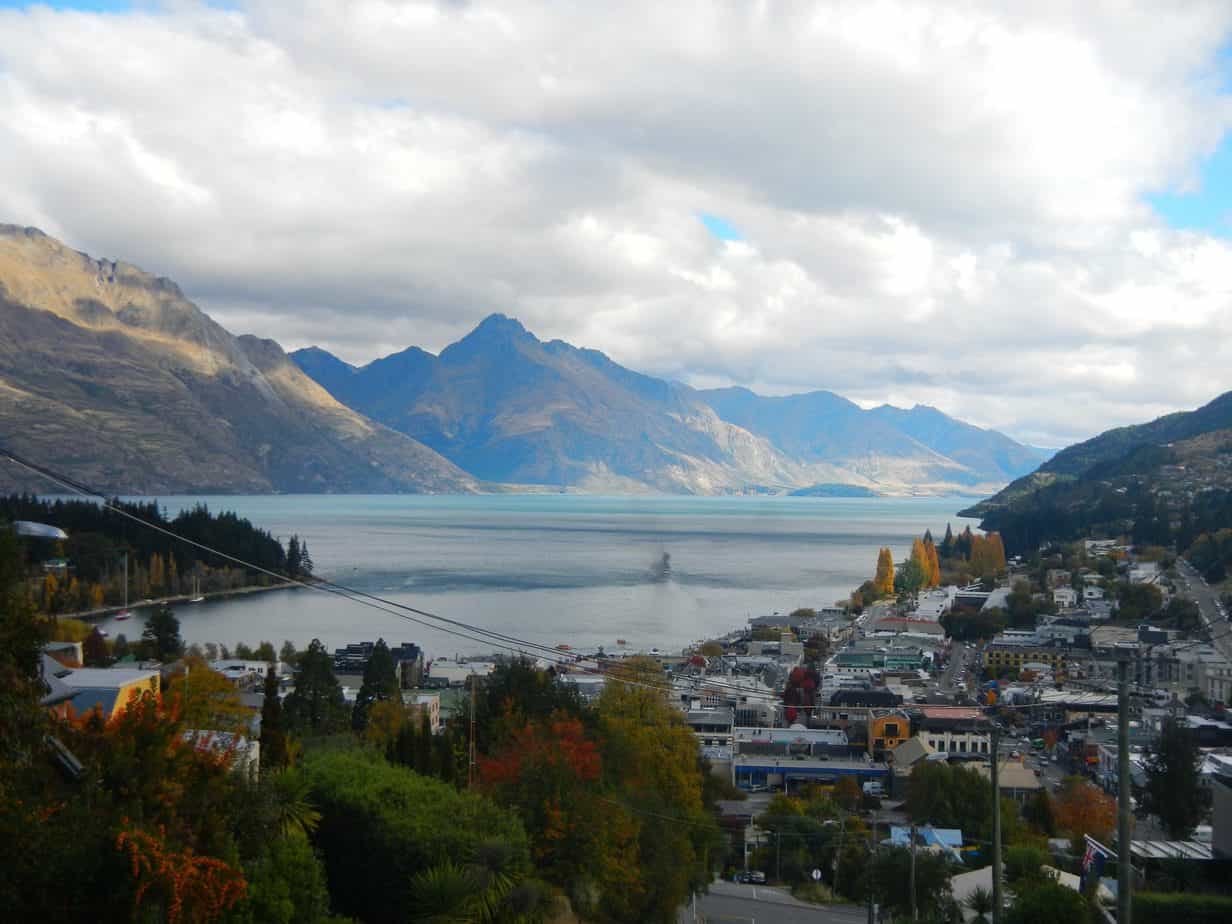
x=106 y=612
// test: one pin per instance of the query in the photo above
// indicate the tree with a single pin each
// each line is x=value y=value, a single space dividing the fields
x=94 y=650
x=847 y=793
x=120 y=650
x=382 y=824
x=1083 y=809
x=380 y=683
x=1048 y=902
x=934 y=564
x=287 y=654
x=883 y=581
x=947 y=544
x=980 y=900
x=162 y=635
x=1173 y=789
x=273 y=730
x=206 y=700
x=306 y=565
x=549 y=772
x=294 y=557
x=910 y=579
x=1037 y=812
x=890 y=875
x=316 y=704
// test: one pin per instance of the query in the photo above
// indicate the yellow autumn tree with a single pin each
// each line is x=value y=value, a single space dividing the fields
x=920 y=557
x=996 y=551
x=934 y=564
x=158 y=574
x=884 y=579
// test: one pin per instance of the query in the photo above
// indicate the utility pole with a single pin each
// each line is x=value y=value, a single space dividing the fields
x=471 y=762
x=872 y=916
x=778 y=855
x=842 y=826
x=914 y=914
x=1124 y=853
x=996 y=827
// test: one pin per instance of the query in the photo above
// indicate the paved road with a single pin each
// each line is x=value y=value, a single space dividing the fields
x=1208 y=603
x=731 y=903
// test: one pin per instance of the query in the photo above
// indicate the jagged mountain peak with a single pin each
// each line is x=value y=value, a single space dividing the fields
x=508 y=407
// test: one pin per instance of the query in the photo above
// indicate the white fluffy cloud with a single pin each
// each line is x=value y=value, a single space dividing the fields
x=940 y=202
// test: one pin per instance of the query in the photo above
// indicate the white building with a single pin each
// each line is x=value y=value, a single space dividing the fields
x=1064 y=597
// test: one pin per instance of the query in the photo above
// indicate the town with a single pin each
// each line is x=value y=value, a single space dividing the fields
x=851 y=751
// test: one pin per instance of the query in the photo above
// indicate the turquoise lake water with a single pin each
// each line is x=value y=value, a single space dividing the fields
x=555 y=569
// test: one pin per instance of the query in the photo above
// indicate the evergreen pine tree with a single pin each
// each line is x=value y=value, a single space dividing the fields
x=947 y=544
x=423 y=745
x=294 y=557
x=273 y=731
x=162 y=635
x=94 y=650
x=316 y=704
x=380 y=683
x=305 y=560
x=1173 y=789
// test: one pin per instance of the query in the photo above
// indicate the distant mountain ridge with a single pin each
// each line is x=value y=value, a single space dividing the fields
x=512 y=409
x=1137 y=450
x=111 y=375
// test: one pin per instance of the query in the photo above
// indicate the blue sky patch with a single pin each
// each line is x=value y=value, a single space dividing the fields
x=91 y=6
x=1209 y=207
x=721 y=228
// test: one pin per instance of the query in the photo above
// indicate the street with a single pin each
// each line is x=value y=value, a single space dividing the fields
x=731 y=903
x=1208 y=603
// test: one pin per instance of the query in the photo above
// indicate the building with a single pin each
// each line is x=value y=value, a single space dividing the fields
x=109 y=689
x=245 y=675
x=1014 y=779
x=423 y=702
x=886 y=732
x=957 y=730
x=765 y=771
x=1011 y=650
x=408 y=660
x=712 y=727
x=1221 y=824
x=1064 y=597
x=245 y=752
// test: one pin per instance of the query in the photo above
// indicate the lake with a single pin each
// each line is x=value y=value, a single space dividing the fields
x=553 y=569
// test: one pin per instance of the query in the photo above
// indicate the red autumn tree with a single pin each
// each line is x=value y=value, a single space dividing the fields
x=550 y=771
x=179 y=885
x=801 y=691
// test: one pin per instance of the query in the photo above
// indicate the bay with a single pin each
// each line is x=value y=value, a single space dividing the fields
x=556 y=569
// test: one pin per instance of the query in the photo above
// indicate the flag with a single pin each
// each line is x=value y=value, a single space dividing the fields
x=1093 y=862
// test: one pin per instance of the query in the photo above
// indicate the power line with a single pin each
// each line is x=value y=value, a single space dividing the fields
x=412 y=614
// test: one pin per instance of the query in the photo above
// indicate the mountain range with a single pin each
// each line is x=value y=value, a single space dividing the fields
x=113 y=376
x=1179 y=454
x=514 y=410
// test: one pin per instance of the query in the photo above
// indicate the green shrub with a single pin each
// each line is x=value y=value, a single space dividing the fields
x=381 y=824
x=1168 y=907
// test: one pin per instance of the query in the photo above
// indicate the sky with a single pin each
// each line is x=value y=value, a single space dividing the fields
x=1018 y=213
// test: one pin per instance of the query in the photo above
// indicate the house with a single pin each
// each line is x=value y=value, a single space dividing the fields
x=945 y=841
x=1014 y=779
x=244 y=674
x=245 y=752
x=109 y=689
x=1064 y=597
x=959 y=730
x=887 y=732
x=1221 y=818
x=422 y=702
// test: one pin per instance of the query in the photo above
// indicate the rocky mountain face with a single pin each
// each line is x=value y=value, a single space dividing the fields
x=512 y=409
x=111 y=375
